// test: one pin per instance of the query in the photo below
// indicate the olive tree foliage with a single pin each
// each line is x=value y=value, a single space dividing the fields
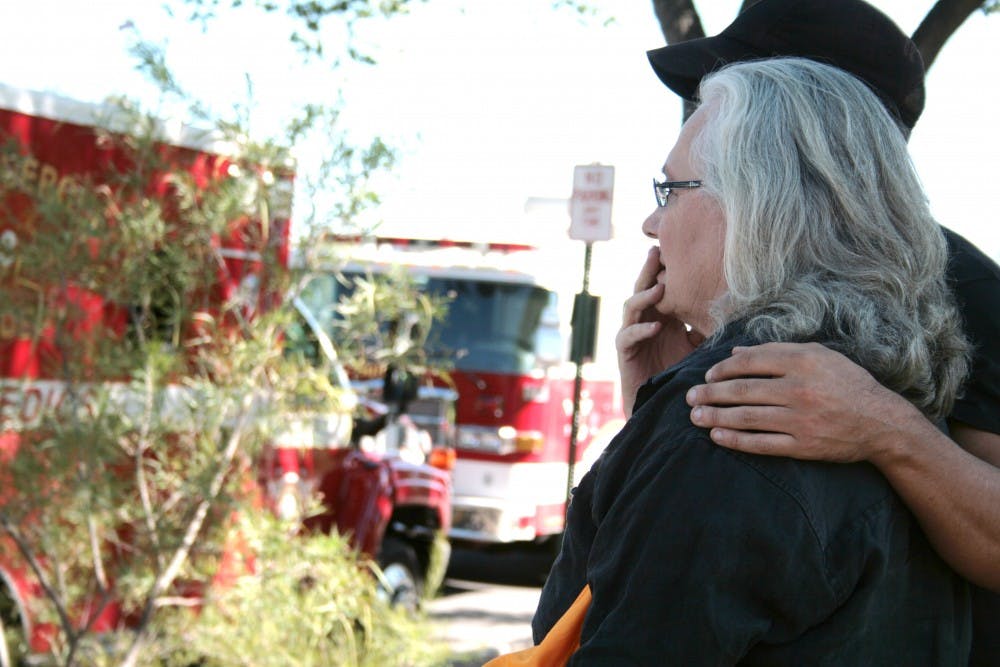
x=310 y=16
x=386 y=321
x=345 y=169
x=679 y=21
x=133 y=497
x=96 y=506
x=131 y=501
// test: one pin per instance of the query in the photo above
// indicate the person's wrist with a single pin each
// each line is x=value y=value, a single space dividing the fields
x=906 y=428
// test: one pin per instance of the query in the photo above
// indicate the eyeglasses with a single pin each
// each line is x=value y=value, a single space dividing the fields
x=662 y=189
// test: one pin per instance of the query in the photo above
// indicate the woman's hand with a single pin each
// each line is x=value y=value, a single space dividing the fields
x=648 y=341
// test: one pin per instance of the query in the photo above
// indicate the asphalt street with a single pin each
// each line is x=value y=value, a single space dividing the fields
x=487 y=603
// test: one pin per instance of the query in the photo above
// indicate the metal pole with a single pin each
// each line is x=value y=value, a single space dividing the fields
x=577 y=385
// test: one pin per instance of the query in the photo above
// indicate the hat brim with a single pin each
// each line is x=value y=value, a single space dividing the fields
x=682 y=66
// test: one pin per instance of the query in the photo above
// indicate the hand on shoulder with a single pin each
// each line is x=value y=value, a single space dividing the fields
x=801 y=400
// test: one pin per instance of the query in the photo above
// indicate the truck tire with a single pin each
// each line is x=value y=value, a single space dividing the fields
x=400 y=583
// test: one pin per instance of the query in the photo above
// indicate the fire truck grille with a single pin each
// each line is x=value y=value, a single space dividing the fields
x=435 y=415
x=476 y=520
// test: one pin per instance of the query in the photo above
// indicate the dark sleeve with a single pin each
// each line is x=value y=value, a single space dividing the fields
x=975 y=280
x=979 y=404
x=569 y=571
x=697 y=559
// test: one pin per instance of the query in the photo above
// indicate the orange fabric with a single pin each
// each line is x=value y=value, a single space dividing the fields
x=559 y=644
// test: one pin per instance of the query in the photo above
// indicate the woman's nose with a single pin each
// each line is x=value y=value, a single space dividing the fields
x=651 y=223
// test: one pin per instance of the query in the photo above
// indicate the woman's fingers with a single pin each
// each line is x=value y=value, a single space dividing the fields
x=650 y=268
x=639 y=302
x=631 y=335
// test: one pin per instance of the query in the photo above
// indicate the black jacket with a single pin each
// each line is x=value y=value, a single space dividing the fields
x=697 y=555
x=975 y=279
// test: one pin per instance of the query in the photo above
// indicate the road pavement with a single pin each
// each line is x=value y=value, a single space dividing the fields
x=487 y=603
x=479 y=621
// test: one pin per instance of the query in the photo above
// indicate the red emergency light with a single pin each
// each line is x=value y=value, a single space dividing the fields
x=429 y=244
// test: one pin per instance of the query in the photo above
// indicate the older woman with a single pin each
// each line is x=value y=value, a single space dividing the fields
x=789 y=212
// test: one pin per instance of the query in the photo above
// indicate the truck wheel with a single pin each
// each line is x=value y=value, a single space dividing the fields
x=400 y=583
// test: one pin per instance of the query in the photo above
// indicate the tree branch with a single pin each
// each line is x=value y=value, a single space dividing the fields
x=140 y=459
x=36 y=568
x=166 y=578
x=941 y=22
x=680 y=22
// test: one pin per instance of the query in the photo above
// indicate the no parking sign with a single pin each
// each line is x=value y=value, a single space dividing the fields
x=590 y=205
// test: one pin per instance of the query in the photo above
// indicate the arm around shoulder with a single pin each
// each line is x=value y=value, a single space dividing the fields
x=953 y=490
x=808 y=402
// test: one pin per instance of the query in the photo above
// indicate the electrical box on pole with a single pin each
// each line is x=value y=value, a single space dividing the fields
x=585 y=316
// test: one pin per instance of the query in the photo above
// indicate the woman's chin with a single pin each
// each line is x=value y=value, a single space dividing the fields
x=668 y=310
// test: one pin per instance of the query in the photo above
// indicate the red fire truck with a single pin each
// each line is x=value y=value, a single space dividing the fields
x=506 y=337
x=395 y=508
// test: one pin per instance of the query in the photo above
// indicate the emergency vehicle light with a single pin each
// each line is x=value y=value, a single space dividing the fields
x=442 y=458
x=427 y=244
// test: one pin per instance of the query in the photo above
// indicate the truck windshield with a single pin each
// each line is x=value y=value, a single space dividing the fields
x=491 y=326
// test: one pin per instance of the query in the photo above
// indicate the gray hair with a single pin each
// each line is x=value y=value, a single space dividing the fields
x=828 y=232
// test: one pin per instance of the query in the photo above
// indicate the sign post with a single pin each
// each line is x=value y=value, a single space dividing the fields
x=590 y=220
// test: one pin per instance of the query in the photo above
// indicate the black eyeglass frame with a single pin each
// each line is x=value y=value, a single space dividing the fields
x=661 y=189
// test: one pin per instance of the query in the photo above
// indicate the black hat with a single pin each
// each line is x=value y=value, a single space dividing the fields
x=848 y=34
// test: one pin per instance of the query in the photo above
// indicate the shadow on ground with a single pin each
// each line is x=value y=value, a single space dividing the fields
x=503 y=564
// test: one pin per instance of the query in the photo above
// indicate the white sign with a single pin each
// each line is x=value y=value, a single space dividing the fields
x=590 y=206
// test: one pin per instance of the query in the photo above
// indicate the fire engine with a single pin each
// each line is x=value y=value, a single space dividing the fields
x=395 y=508
x=506 y=338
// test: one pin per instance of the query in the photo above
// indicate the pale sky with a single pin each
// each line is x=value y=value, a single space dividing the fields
x=491 y=104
